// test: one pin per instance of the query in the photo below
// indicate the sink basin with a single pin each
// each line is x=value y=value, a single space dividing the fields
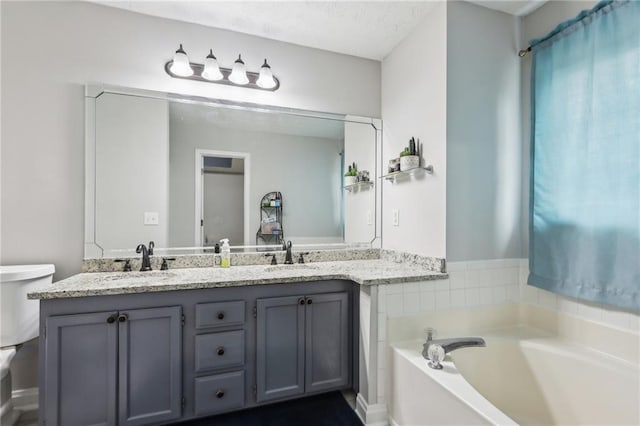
x=155 y=275
x=294 y=267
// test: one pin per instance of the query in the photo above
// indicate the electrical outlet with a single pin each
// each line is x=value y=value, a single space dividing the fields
x=151 y=218
x=395 y=217
x=369 y=218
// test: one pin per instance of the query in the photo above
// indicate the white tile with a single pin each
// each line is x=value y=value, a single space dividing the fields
x=443 y=300
x=411 y=287
x=428 y=285
x=456 y=266
x=471 y=297
x=457 y=279
x=472 y=278
x=427 y=301
x=512 y=276
x=589 y=311
x=382 y=289
x=442 y=285
x=458 y=298
x=513 y=293
x=530 y=294
x=382 y=303
x=411 y=303
x=382 y=328
x=499 y=294
x=547 y=299
x=477 y=264
x=488 y=277
x=567 y=305
x=486 y=296
x=394 y=304
x=394 y=289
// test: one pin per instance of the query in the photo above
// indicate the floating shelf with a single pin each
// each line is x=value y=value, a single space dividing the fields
x=393 y=176
x=364 y=184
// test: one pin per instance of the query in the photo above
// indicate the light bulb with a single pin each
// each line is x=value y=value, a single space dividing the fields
x=265 y=80
x=211 y=69
x=239 y=72
x=180 y=65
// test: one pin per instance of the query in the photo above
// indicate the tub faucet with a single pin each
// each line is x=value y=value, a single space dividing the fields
x=430 y=349
x=288 y=260
x=146 y=263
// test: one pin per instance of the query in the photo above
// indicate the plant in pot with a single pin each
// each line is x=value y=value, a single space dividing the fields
x=351 y=175
x=409 y=158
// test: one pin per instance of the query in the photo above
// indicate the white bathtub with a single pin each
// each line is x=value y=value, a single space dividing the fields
x=521 y=377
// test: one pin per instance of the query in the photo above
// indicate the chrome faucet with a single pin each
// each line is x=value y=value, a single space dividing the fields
x=431 y=348
x=288 y=260
x=146 y=263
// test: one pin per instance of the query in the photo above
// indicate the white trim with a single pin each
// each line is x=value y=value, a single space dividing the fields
x=200 y=154
x=371 y=415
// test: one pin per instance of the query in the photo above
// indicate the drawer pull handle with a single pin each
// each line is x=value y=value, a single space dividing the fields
x=122 y=318
x=221 y=351
x=302 y=301
x=219 y=394
x=309 y=301
x=220 y=315
x=112 y=319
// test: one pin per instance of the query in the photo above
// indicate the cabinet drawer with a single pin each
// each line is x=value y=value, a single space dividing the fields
x=218 y=393
x=219 y=314
x=218 y=350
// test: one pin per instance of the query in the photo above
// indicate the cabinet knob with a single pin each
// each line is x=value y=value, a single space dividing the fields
x=220 y=351
x=220 y=315
x=111 y=319
x=122 y=318
x=302 y=301
x=219 y=393
x=309 y=301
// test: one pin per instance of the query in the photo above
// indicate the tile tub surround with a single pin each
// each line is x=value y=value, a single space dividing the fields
x=237 y=259
x=363 y=272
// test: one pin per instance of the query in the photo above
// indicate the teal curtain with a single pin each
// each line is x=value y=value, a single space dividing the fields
x=585 y=159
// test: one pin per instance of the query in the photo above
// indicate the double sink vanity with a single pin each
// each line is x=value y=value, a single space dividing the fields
x=134 y=348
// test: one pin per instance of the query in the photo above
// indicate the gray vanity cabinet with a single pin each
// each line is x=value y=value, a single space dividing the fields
x=109 y=368
x=302 y=345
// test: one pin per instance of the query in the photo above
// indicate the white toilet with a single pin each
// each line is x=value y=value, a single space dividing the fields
x=19 y=322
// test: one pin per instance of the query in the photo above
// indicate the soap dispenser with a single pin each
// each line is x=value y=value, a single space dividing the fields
x=225 y=261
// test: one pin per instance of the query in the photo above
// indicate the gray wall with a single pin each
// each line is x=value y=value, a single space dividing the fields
x=535 y=25
x=483 y=134
x=50 y=50
x=305 y=169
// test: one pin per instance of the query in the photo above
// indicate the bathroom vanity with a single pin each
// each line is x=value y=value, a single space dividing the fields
x=164 y=346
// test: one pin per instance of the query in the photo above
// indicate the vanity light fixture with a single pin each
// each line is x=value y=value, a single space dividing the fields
x=180 y=65
x=211 y=72
x=239 y=72
x=211 y=69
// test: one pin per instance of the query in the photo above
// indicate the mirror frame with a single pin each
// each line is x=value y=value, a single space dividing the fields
x=93 y=250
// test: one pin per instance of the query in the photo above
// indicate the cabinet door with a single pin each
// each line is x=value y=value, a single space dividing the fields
x=280 y=347
x=80 y=370
x=327 y=341
x=150 y=365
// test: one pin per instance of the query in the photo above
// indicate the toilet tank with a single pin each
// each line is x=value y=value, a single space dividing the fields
x=19 y=317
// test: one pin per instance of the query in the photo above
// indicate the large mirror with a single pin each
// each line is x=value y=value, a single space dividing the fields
x=187 y=172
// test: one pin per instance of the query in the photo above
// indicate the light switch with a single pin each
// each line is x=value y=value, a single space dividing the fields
x=151 y=218
x=369 y=218
x=395 y=217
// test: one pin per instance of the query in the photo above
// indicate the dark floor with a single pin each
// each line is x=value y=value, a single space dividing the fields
x=329 y=409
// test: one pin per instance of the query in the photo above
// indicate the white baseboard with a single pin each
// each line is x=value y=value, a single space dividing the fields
x=25 y=399
x=371 y=414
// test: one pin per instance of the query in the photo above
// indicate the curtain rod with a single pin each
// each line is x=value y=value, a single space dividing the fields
x=524 y=52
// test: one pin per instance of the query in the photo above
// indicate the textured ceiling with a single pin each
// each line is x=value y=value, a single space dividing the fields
x=368 y=29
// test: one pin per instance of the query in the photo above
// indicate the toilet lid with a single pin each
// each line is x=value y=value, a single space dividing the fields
x=24 y=272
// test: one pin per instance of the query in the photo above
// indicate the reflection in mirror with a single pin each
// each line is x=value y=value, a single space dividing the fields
x=186 y=174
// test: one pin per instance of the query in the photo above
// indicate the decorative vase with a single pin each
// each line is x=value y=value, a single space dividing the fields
x=409 y=162
x=349 y=180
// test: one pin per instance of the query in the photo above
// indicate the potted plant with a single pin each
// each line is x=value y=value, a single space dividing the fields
x=408 y=158
x=351 y=175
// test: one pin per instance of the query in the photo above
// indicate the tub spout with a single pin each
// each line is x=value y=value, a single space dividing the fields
x=452 y=344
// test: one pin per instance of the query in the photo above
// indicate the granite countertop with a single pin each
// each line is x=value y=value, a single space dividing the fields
x=363 y=272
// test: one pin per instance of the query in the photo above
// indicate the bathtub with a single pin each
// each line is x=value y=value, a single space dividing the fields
x=523 y=376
